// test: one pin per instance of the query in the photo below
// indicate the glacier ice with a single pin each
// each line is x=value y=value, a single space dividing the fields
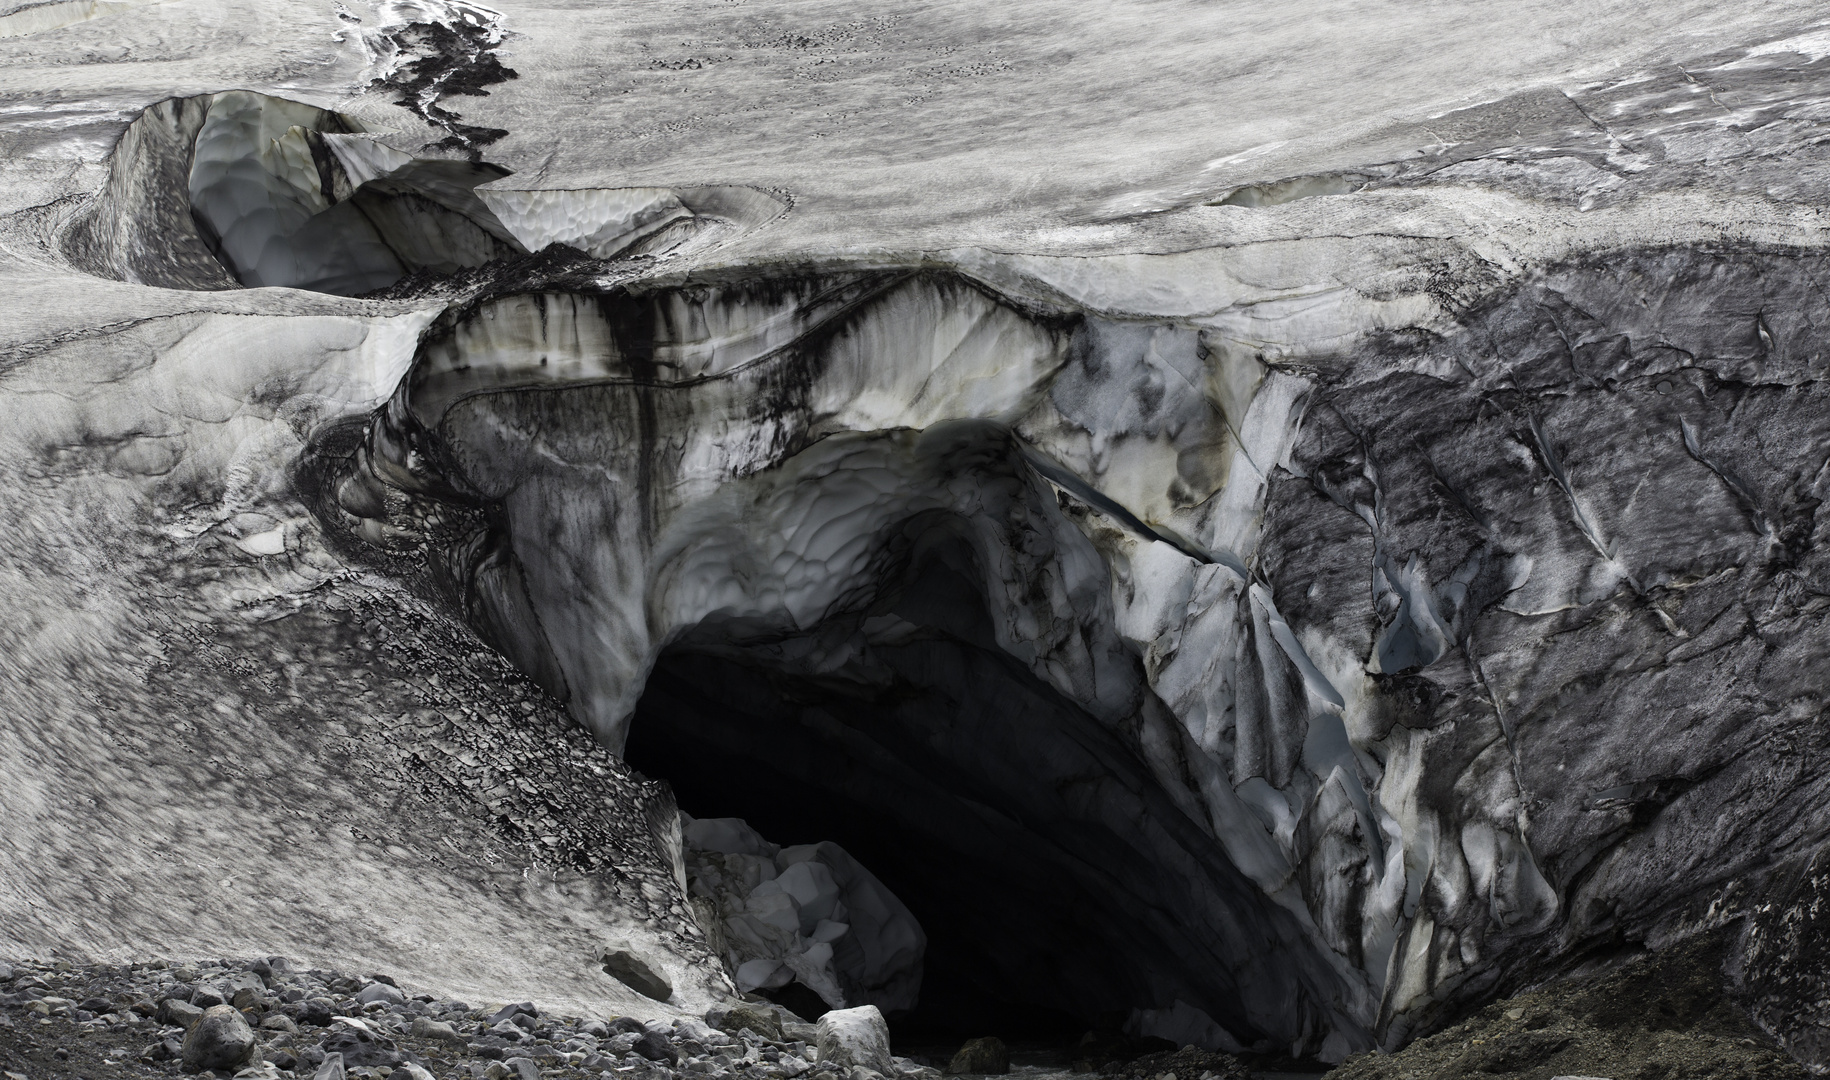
x=1359 y=573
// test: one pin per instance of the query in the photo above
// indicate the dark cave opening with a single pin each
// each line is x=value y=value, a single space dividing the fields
x=1058 y=885
x=686 y=731
x=1069 y=866
x=799 y=757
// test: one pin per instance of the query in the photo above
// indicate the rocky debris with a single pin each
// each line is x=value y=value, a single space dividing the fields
x=635 y=973
x=1188 y=1063
x=1784 y=962
x=810 y=914
x=1661 y=1017
x=358 y=1045
x=219 y=1039
x=315 y=1024
x=761 y=1019
x=503 y=777
x=436 y=52
x=853 y=1037
x=1108 y=1051
x=986 y=1056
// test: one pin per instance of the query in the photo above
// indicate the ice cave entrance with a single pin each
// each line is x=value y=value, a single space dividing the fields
x=960 y=779
x=894 y=722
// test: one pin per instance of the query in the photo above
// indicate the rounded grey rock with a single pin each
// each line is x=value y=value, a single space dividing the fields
x=178 y=1013
x=986 y=1056
x=850 y=1037
x=220 y=1039
x=427 y=1028
x=382 y=992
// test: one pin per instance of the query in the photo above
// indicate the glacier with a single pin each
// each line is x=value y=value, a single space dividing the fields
x=1282 y=598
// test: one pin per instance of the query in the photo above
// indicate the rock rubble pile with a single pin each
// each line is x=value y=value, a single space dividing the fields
x=265 y=1020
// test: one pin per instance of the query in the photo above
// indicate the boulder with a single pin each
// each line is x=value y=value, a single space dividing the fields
x=512 y=1010
x=247 y=997
x=382 y=992
x=163 y=1050
x=219 y=1039
x=509 y=1029
x=986 y=1056
x=654 y=1047
x=209 y=995
x=424 y=1027
x=272 y=971
x=359 y=1046
x=859 y=1036
x=178 y=1013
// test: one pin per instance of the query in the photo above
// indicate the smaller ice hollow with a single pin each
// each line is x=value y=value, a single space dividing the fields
x=244 y=188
